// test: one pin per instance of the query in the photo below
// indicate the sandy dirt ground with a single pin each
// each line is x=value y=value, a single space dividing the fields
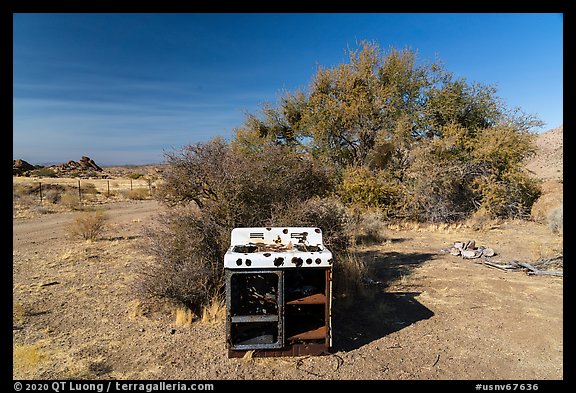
x=432 y=316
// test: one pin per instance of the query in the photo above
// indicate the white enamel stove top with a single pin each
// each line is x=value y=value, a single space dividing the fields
x=281 y=247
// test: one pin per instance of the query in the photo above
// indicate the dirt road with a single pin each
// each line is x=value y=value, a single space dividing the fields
x=52 y=226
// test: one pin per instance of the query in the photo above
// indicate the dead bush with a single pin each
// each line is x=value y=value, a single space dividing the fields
x=439 y=184
x=189 y=248
x=87 y=225
x=244 y=187
x=482 y=220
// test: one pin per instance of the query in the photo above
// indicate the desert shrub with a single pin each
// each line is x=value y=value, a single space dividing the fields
x=482 y=220
x=363 y=187
x=70 y=199
x=439 y=185
x=138 y=194
x=135 y=175
x=366 y=227
x=214 y=188
x=510 y=195
x=89 y=188
x=189 y=247
x=43 y=172
x=556 y=220
x=88 y=225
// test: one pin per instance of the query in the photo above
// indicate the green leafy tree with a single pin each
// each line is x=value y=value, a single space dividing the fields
x=441 y=140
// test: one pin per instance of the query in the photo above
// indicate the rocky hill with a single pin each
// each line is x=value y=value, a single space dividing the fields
x=86 y=164
x=548 y=163
x=81 y=168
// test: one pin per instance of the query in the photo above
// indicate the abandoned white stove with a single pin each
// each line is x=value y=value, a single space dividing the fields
x=278 y=292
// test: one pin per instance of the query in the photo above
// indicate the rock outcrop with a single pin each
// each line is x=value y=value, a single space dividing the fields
x=21 y=168
x=85 y=167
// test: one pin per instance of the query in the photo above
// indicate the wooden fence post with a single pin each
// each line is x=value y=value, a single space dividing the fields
x=79 y=191
x=40 y=193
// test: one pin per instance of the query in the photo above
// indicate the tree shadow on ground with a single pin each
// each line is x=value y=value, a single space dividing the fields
x=377 y=312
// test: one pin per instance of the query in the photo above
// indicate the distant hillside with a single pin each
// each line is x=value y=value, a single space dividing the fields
x=548 y=163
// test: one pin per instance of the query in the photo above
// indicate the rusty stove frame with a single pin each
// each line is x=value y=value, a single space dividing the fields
x=266 y=300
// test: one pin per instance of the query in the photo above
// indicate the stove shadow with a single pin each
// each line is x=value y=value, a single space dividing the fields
x=374 y=318
x=377 y=311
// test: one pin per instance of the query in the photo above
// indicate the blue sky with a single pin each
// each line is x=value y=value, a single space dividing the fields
x=126 y=88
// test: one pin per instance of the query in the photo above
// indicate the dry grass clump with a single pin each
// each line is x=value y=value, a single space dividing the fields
x=350 y=274
x=88 y=225
x=138 y=194
x=184 y=316
x=26 y=356
x=215 y=311
x=482 y=220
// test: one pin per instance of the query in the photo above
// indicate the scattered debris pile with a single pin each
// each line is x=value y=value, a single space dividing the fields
x=468 y=250
x=483 y=254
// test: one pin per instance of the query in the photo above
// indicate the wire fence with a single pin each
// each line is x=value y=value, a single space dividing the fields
x=84 y=188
